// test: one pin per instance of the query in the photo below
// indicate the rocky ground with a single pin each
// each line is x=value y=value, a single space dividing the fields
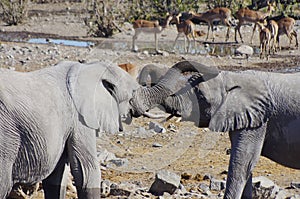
x=196 y=158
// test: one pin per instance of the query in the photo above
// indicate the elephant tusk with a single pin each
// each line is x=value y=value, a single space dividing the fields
x=154 y=116
x=170 y=117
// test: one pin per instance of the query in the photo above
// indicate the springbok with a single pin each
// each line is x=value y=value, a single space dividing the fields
x=130 y=68
x=264 y=40
x=273 y=27
x=151 y=27
x=185 y=28
x=286 y=26
x=246 y=15
x=217 y=14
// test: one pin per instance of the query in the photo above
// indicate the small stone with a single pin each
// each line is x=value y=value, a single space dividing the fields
x=172 y=128
x=158 y=145
x=282 y=194
x=264 y=187
x=244 y=50
x=105 y=188
x=217 y=185
x=105 y=156
x=165 y=181
x=119 y=161
x=157 y=127
x=119 y=190
x=204 y=189
x=295 y=185
x=228 y=151
x=207 y=177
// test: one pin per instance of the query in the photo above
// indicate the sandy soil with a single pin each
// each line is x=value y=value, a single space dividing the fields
x=189 y=150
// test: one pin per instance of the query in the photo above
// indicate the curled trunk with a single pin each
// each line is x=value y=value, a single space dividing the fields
x=146 y=98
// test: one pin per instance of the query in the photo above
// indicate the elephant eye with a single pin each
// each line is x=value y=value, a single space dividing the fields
x=131 y=101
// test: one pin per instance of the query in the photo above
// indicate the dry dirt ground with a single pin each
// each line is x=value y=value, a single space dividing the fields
x=189 y=150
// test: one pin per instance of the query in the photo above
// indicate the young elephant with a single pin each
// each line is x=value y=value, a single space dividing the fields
x=50 y=117
x=260 y=110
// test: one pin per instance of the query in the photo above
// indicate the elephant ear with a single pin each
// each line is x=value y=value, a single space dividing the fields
x=96 y=93
x=245 y=104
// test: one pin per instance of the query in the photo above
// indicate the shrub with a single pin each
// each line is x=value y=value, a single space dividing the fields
x=13 y=11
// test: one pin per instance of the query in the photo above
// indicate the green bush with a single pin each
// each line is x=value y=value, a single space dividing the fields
x=13 y=11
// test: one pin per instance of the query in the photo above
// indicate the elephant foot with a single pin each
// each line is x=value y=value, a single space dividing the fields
x=89 y=193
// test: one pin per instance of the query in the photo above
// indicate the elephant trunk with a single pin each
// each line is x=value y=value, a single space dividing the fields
x=145 y=98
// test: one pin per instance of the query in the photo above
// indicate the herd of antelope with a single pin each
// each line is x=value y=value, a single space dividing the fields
x=269 y=30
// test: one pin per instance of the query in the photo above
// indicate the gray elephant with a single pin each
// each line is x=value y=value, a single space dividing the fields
x=50 y=117
x=260 y=110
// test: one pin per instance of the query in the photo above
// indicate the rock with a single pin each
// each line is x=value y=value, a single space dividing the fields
x=172 y=128
x=207 y=177
x=244 y=50
x=105 y=188
x=264 y=187
x=105 y=156
x=120 y=190
x=181 y=189
x=157 y=127
x=158 y=145
x=295 y=185
x=143 y=133
x=282 y=194
x=204 y=189
x=165 y=181
x=217 y=185
x=119 y=161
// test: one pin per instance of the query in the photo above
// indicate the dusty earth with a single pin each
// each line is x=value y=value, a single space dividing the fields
x=187 y=151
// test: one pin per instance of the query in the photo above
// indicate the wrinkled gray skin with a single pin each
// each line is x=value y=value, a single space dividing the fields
x=50 y=117
x=153 y=72
x=260 y=110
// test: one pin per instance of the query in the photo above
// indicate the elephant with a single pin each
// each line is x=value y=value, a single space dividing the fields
x=49 y=119
x=260 y=110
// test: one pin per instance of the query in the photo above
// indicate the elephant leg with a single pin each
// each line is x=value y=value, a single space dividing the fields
x=55 y=185
x=246 y=146
x=84 y=166
x=247 y=193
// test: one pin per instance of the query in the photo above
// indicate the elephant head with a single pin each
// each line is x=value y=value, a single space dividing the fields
x=153 y=72
x=222 y=101
x=172 y=82
x=101 y=103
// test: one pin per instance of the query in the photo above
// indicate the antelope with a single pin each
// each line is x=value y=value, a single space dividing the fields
x=273 y=27
x=130 y=68
x=217 y=14
x=246 y=15
x=151 y=27
x=286 y=26
x=185 y=28
x=264 y=40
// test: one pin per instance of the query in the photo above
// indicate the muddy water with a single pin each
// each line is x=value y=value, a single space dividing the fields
x=217 y=49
